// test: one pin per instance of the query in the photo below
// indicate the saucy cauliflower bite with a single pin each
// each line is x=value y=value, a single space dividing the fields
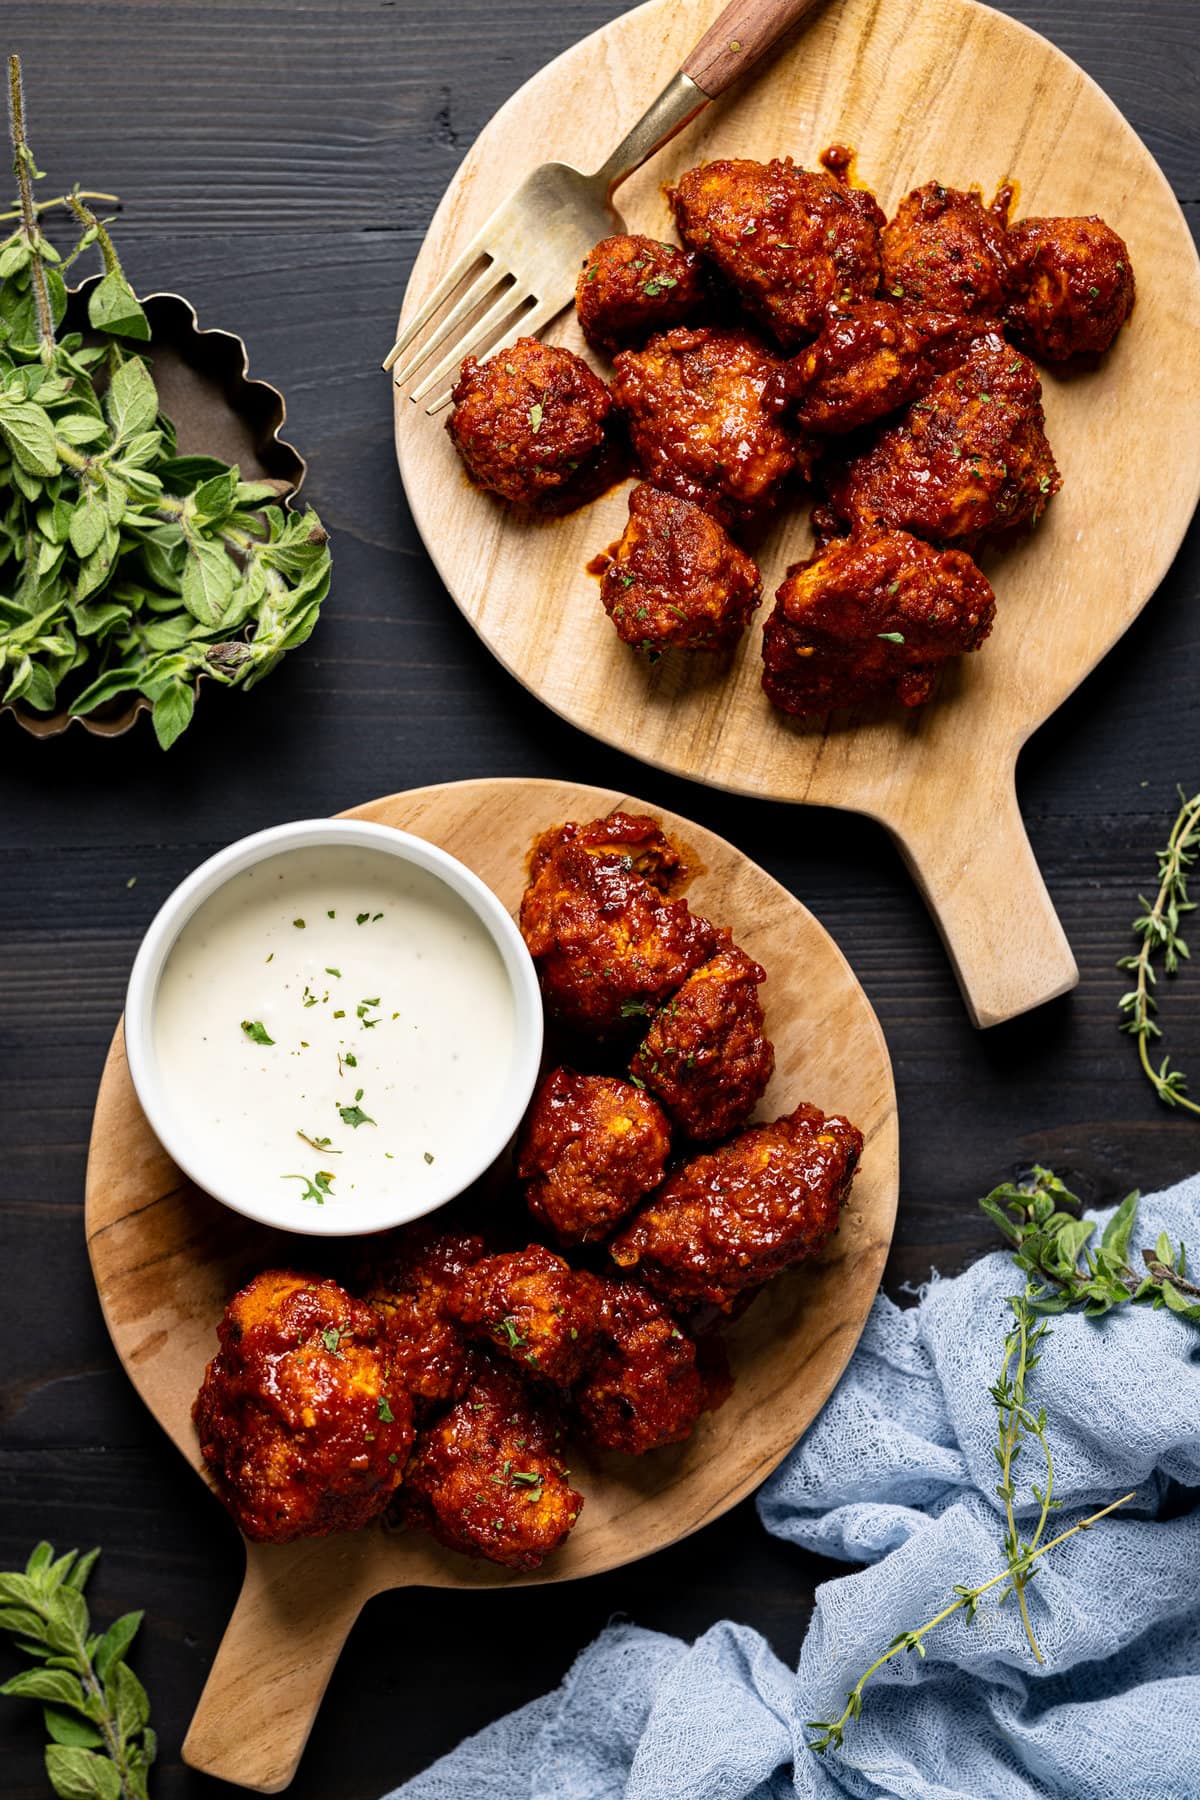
x=704 y=413
x=533 y=1308
x=644 y=1389
x=300 y=1416
x=636 y=838
x=1070 y=287
x=705 y=1057
x=870 y=360
x=790 y=240
x=677 y=580
x=870 y=617
x=591 y=1147
x=966 y=461
x=632 y=286
x=528 y=420
x=488 y=1477
x=732 y=1218
x=945 y=249
x=409 y=1283
x=604 y=938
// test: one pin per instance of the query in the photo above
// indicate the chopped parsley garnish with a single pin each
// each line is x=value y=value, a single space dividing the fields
x=892 y=637
x=630 y=1009
x=361 y=918
x=386 y=1414
x=331 y=1337
x=354 y=1115
x=336 y=972
x=299 y=924
x=325 y=1144
x=428 y=1155
x=256 y=1031
x=508 y=1330
x=535 y=417
x=316 y=1189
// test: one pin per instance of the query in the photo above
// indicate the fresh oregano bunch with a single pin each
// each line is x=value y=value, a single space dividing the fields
x=1158 y=926
x=1054 y=1247
x=124 y=568
x=95 y=1708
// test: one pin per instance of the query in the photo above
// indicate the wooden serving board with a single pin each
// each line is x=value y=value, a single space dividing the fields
x=166 y=1258
x=921 y=88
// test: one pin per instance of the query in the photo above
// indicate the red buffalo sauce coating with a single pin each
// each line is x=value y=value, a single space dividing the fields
x=730 y=1219
x=644 y=1389
x=529 y=421
x=631 y=286
x=944 y=249
x=704 y=414
x=636 y=838
x=409 y=1280
x=967 y=461
x=300 y=1416
x=595 y=920
x=705 y=1056
x=870 y=360
x=591 y=1147
x=872 y=617
x=677 y=581
x=488 y=1478
x=1070 y=287
x=533 y=1308
x=789 y=240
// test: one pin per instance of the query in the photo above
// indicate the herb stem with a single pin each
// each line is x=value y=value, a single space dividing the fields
x=1158 y=929
x=41 y=206
x=22 y=162
x=910 y=1640
x=86 y=216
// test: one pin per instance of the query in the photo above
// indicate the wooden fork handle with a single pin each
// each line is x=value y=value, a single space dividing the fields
x=744 y=31
x=292 y=1618
x=967 y=848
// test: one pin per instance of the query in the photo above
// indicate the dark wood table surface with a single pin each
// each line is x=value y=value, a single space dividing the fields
x=279 y=165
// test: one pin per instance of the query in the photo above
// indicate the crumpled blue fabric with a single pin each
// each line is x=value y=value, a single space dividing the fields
x=898 y=1474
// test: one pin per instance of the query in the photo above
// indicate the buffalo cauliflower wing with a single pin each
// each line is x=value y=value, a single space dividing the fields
x=301 y=1417
x=730 y=1219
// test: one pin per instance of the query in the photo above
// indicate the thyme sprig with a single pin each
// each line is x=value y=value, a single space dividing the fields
x=1158 y=927
x=833 y=1730
x=1051 y=1245
x=95 y=1709
x=1018 y=1423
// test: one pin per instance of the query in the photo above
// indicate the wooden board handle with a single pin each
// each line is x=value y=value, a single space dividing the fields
x=743 y=33
x=292 y=1618
x=973 y=862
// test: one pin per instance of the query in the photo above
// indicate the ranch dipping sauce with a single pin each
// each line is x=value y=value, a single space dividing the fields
x=335 y=1022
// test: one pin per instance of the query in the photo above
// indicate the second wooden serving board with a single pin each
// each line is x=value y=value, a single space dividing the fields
x=921 y=88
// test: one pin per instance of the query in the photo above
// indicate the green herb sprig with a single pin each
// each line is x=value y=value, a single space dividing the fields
x=95 y=1709
x=1054 y=1246
x=1157 y=925
x=832 y=1731
x=125 y=568
x=1051 y=1244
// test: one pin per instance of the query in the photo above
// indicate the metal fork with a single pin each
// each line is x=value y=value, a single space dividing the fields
x=532 y=246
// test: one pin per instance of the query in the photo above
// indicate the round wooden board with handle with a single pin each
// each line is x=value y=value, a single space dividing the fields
x=921 y=88
x=166 y=1258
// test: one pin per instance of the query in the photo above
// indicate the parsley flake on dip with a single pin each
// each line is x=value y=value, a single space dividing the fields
x=333 y=1027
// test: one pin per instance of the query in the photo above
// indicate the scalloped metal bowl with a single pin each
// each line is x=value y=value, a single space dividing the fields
x=204 y=383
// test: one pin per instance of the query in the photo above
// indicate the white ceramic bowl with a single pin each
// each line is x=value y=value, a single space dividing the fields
x=185 y=1142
